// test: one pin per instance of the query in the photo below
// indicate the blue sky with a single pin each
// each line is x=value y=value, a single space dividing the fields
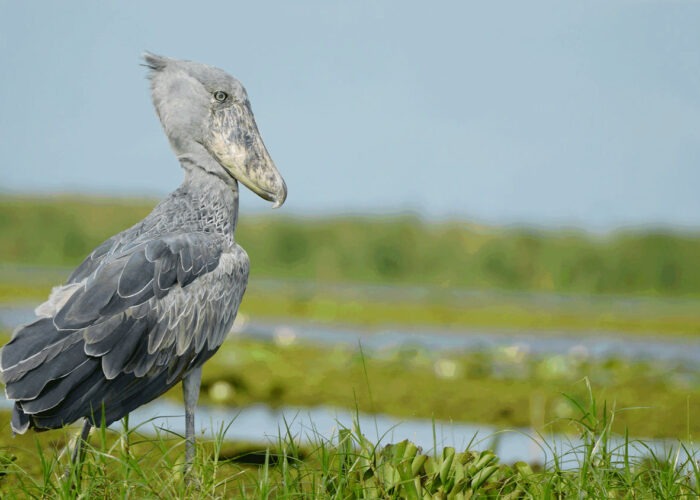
x=582 y=114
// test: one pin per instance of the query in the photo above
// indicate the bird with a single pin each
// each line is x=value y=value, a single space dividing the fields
x=149 y=306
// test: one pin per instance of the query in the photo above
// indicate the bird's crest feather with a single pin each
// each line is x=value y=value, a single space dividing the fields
x=155 y=62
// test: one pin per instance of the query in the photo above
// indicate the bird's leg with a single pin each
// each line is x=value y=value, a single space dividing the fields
x=77 y=455
x=79 y=446
x=125 y=436
x=190 y=389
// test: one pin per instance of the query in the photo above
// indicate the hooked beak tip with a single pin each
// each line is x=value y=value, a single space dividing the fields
x=281 y=196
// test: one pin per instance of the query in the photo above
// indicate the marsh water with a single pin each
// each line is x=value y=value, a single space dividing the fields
x=262 y=424
x=598 y=344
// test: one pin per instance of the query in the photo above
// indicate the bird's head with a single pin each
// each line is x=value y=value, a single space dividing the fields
x=206 y=111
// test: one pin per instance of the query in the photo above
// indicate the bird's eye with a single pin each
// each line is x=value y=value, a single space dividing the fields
x=220 y=95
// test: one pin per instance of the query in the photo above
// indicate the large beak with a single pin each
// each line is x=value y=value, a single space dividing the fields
x=238 y=147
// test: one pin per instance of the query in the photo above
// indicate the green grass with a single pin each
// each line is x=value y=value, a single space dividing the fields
x=345 y=465
x=491 y=311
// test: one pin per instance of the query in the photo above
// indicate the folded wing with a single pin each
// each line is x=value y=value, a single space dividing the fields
x=132 y=321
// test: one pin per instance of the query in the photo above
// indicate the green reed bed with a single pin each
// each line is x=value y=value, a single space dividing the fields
x=489 y=311
x=62 y=230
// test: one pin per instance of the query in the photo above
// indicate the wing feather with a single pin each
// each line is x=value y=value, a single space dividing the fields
x=58 y=389
x=92 y=261
x=148 y=309
x=136 y=274
x=113 y=361
x=101 y=338
x=34 y=381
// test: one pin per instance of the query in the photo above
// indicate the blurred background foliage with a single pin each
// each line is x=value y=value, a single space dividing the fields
x=402 y=249
x=450 y=274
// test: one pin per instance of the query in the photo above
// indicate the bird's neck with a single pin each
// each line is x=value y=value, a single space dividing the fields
x=214 y=196
x=193 y=154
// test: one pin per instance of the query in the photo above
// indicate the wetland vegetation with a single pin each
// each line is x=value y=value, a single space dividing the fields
x=61 y=231
x=398 y=271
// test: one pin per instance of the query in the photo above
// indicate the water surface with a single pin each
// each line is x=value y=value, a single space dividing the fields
x=598 y=345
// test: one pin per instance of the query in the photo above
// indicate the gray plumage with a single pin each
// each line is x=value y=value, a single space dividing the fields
x=150 y=305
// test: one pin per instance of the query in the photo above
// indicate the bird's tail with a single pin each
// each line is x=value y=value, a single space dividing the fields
x=40 y=366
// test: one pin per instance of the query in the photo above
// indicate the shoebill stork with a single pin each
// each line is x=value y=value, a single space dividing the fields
x=151 y=304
